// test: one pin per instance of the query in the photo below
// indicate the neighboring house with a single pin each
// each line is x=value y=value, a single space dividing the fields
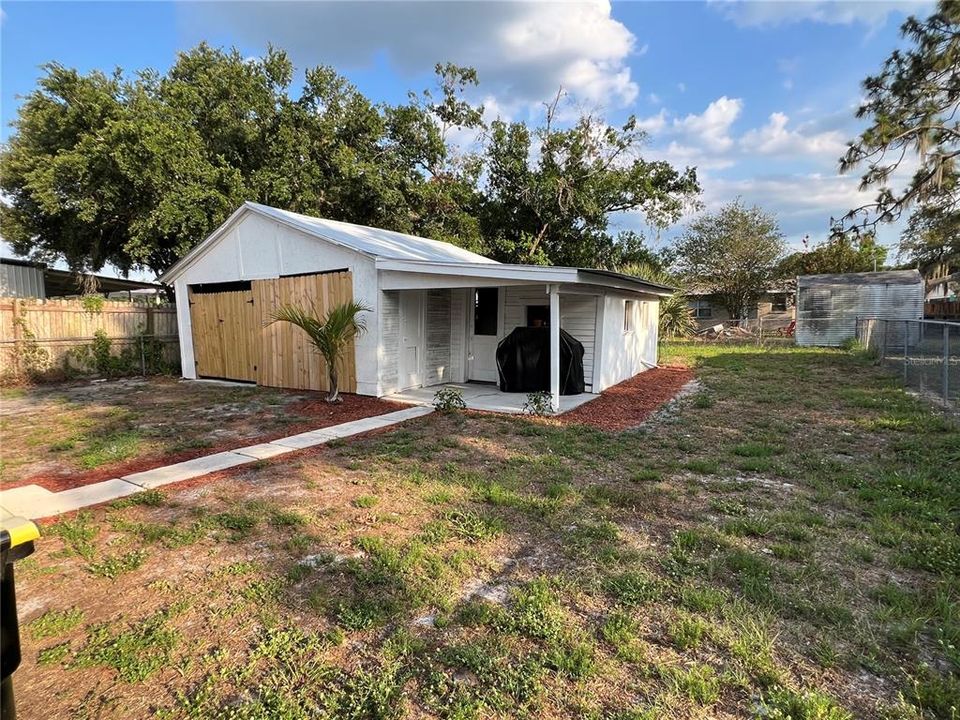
x=23 y=278
x=829 y=306
x=437 y=311
x=942 y=292
x=942 y=282
x=775 y=307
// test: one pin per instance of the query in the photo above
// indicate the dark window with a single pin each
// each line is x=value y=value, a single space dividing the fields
x=485 y=309
x=235 y=286
x=628 y=307
x=702 y=309
x=779 y=303
x=538 y=316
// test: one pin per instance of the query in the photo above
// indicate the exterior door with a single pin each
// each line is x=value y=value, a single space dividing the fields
x=482 y=333
x=411 y=339
x=226 y=334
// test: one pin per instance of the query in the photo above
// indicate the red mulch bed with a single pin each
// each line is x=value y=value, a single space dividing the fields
x=628 y=404
x=322 y=414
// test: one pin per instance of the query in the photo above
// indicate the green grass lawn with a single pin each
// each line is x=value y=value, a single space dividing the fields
x=783 y=544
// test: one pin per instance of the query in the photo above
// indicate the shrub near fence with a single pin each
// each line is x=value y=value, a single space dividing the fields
x=55 y=338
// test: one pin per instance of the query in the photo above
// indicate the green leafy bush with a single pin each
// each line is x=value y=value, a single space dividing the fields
x=449 y=399
x=538 y=404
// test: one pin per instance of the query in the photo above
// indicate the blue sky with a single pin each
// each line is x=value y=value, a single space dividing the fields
x=759 y=96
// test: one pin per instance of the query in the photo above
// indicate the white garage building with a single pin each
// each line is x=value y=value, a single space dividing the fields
x=437 y=314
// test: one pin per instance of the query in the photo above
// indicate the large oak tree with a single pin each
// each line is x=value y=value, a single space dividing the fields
x=135 y=170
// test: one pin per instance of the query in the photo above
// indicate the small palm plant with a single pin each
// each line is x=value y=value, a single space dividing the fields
x=329 y=334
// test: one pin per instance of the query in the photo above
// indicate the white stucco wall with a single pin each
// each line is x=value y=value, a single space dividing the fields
x=257 y=248
x=624 y=354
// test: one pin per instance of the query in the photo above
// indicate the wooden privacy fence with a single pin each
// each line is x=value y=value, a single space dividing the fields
x=233 y=337
x=56 y=327
x=942 y=310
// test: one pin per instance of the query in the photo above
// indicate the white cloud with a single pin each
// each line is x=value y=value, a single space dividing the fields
x=819 y=194
x=653 y=124
x=872 y=13
x=682 y=87
x=712 y=127
x=683 y=154
x=775 y=138
x=523 y=51
x=654 y=98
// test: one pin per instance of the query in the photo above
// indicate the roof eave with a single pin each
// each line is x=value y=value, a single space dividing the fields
x=531 y=273
x=628 y=282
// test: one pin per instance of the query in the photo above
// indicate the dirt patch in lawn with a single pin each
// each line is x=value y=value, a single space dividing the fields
x=631 y=402
x=66 y=437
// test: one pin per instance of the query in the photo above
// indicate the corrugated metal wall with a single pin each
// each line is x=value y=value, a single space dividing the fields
x=21 y=281
x=827 y=313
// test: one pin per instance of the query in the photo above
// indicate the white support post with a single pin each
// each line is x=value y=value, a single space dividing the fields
x=554 y=291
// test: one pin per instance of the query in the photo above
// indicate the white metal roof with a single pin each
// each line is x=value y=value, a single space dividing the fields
x=409 y=253
x=373 y=241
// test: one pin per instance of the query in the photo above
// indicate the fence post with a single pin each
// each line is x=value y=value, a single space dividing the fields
x=143 y=362
x=906 y=331
x=946 y=364
x=149 y=325
x=17 y=338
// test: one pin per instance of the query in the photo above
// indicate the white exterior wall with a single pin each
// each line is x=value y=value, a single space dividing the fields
x=624 y=354
x=458 y=334
x=578 y=315
x=256 y=248
x=389 y=350
x=437 y=337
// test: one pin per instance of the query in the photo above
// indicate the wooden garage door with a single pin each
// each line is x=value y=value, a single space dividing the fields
x=226 y=334
x=287 y=358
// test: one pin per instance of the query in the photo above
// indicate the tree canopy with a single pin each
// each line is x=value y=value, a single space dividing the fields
x=732 y=252
x=839 y=254
x=913 y=105
x=554 y=206
x=134 y=170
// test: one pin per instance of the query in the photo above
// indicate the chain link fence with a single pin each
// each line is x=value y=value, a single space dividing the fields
x=925 y=352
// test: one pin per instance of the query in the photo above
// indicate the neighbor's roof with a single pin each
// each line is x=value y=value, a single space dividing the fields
x=375 y=242
x=61 y=283
x=783 y=285
x=883 y=277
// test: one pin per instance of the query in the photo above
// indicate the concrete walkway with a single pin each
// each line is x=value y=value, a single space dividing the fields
x=33 y=501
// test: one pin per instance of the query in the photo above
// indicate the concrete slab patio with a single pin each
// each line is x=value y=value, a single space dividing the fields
x=485 y=396
x=33 y=501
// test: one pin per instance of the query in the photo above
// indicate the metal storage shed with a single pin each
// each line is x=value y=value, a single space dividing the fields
x=828 y=306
